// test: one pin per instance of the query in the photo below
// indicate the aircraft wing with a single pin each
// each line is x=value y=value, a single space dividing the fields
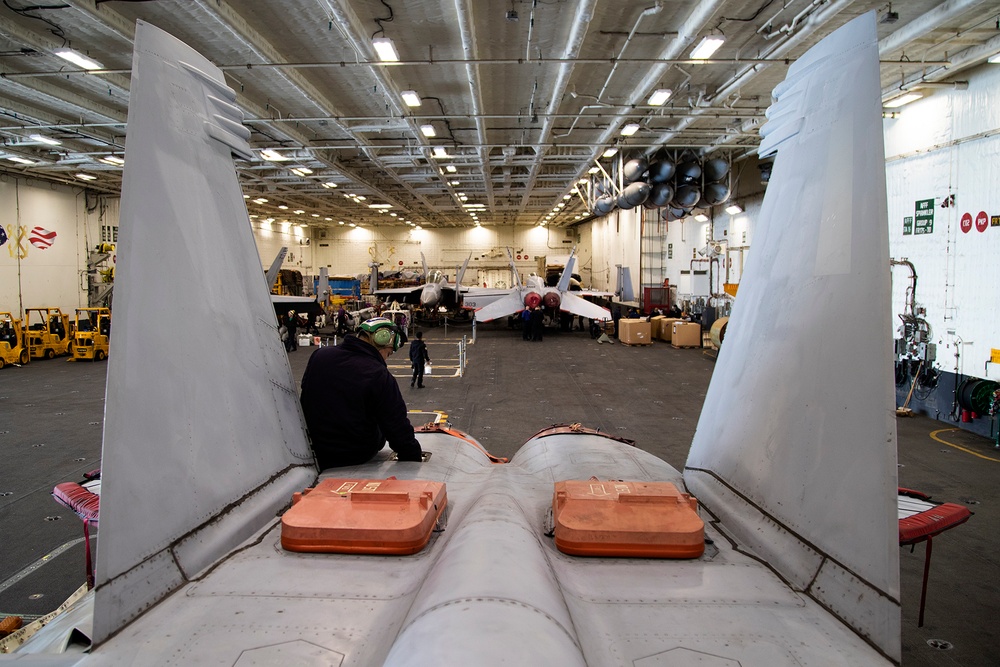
x=507 y=305
x=409 y=294
x=474 y=298
x=571 y=303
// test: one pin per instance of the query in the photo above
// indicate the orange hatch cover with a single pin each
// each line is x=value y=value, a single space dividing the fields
x=363 y=516
x=626 y=519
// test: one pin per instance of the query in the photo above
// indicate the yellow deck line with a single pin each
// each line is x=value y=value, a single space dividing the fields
x=934 y=435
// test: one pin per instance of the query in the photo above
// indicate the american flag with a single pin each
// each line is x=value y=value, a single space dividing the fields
x=41 y=238
x=3 y=235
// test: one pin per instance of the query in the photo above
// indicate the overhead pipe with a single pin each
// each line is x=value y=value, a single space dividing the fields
x=965 y=58
x=925 y=23
x=811 y=23
x=463 y=12
x=577 y=35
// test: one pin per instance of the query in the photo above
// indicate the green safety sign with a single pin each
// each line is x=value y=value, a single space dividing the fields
x=923 y=218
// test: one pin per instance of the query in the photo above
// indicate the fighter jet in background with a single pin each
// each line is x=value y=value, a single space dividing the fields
x=436 y=290
x=554 y=299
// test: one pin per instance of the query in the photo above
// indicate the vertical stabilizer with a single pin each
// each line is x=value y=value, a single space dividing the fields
x=203 y=435
x=567 y=272
x=427 y=274
x=272 y=272
x=795 y=448
x=515 y=275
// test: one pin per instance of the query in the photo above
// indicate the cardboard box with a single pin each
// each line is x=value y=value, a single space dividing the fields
x=686 y=334
x=664 y=328
x=635 y=332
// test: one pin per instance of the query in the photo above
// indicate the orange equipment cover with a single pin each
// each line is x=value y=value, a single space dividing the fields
x=626 y=519
x=363 y=516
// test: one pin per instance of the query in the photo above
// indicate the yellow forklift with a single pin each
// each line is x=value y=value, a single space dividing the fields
x=93 y=331
x=51 y=335
x=12 y=349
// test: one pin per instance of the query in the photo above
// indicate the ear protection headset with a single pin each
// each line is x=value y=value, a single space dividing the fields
x=384 y=332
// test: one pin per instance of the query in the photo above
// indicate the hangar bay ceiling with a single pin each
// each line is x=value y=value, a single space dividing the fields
x=499 y=112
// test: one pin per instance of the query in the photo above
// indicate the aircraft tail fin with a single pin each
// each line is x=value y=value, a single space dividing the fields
x=211 y=447
x=797 y=438
x=567 y=272
x=513 y=269
x=423 y=262
x=458 y=278
x=272 y=272
x=624 y=287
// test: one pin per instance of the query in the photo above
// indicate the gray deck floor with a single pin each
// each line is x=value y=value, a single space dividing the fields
x=51 y=416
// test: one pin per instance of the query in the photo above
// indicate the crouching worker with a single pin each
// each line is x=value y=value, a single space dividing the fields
x=351 y=402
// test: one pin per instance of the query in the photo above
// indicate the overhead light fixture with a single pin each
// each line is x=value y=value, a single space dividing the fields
x=411 y=98
x=86 y=177
x=733 y=209
x=701 y=217
x=20 y=160
x=282 y=207
x=273 y=156
x=385 y=49
x=360 y=197
x=428 y=131
x=78 y=59
x=995 y=58
x=298 y=211
x=329 y=184
x=301 y=171
x=611 y=152
x=630 y=129
x=112 y=159
x=454 y=182
x=567 y=196
x=906 y=98
x=451 y=169
x=379 y=205
x=328 y=219
x=708 y=45
x=592 y=170
x=351 y=224
x=441 y=152
x=45 y=140
x=340 y=222
x=259 y=200
x=659 y=96
x=315 y=215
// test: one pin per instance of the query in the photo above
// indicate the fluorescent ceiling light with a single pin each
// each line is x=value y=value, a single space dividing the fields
x=298 y=211
x=630 y=129
x=567 y=196
x=315 y=215
x=611 y=152
x=659 y=96
x=352 y=224
x=329 y=184
x=78 y=59
x=340 y=222
x=592 y=170
x=283 y=207
x=112 y=159
x=411 y=98
x=273 y=156
x=451 y=168
x=733 y=209
x=995 y=58
x=260 y=200
x=479 y=206
x=21 y=160
x=45 y=140
x=86 y=177
x=701 y=217
x=385 y=49
x=428 y=131
x=360 y=197
x=454 y=182
x=441 y=152
x=379 y=205
x=708 y=45
x=301 y=171
x=902 y=99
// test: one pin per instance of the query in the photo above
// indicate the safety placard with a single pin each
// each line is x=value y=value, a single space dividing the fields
x=907 y=225
x=965 y=223
x=994 y=356
x=923 y=218
x=982 y=221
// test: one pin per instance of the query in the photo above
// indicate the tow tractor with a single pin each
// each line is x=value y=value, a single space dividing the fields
x=93 y=331
x=51 y=336
x=12 y=349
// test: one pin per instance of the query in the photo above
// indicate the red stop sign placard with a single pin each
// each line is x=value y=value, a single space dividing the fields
x=966 y=223
x=982 y=221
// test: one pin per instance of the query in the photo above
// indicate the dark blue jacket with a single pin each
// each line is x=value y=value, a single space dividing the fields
x=352 y=405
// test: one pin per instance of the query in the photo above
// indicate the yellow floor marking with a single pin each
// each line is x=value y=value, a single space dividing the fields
x=934 y=435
